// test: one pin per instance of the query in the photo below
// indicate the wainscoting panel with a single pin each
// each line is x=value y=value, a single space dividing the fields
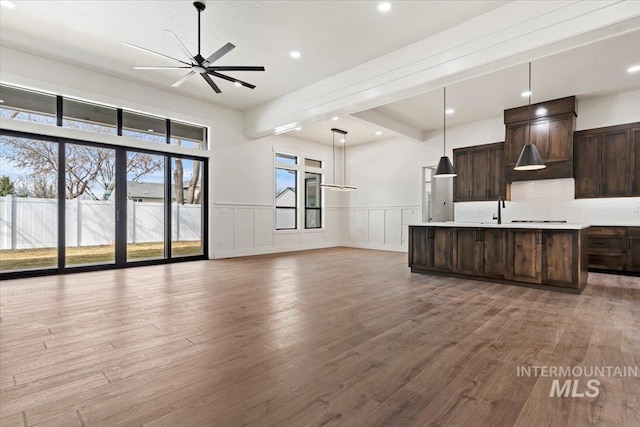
x=379 y=227
x=393 y=227
x=244 y=233
x=241 y=230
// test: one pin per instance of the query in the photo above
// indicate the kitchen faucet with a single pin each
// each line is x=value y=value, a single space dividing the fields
x=499 y=217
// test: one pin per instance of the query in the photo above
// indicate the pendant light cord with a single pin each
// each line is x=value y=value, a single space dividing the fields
x=344 y=161
x=334 y=157
x=529 y=109
x=444 y=126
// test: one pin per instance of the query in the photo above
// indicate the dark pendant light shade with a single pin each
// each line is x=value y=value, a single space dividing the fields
x=445 y=169
x=529 y=159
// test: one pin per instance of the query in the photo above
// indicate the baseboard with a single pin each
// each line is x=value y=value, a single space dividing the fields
x=271 y=250
x=375 y=246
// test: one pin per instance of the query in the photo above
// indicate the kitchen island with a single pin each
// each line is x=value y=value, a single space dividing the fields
x=545 y=255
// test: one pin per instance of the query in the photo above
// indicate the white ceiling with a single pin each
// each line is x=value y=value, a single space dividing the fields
x=333 y=36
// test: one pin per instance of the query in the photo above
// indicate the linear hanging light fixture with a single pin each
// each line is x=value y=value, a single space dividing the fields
x=334 y=185
x=529 y=159
x=445 y=169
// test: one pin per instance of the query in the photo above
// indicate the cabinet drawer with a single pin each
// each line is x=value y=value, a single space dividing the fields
x=607 y=244
x=607 y=261
x=634 y=231
x=607 y=231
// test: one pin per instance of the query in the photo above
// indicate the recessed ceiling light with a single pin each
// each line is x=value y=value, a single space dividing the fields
x=378 y=132
x=237 y=84
x=526 y=93
x=334 y=118
x=633 y=69
x=343 y=140
x=541 y=111
x=295 y=54
x=8 y=4
x=298 y=128
x=384 y=6
x=450 y=111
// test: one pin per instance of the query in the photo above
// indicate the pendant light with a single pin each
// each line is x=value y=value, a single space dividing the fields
x=529 y=159
x=343 y=186
x=445 y=169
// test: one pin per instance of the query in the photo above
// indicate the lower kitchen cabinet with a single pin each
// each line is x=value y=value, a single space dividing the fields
x=430 y=248
x=558 y=250
x=479 y=252
x=633 y=250
x=525 y=250
x=614 y=248
x=551 y=257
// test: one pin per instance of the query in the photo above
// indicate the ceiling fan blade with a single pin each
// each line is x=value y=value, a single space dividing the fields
x=184 y=79
x=219 y=53
x=211 y=83
x=231 y=79
x=154 y=67
x=182 y=46
x=155 y=53
x=235 y=68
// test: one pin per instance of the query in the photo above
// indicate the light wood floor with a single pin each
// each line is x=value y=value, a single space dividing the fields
x=330 y=337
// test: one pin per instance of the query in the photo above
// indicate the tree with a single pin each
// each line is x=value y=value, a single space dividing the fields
x=6 y=186
x=86 y=167
x=178 y=181
x=37 y=186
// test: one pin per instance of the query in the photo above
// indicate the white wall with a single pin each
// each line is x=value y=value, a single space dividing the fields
x=389 y=175
x=241 y=189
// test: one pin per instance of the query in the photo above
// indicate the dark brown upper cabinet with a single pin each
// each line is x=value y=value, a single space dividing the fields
x=480 y=173
x=551 y=132
x=606 y=161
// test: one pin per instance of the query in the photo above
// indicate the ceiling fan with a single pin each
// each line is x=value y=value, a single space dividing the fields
x=198 y=64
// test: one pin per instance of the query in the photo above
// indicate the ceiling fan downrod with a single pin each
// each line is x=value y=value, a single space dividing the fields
x=199 y=7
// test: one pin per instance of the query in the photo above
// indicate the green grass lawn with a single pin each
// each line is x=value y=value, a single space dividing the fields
x=22 y=259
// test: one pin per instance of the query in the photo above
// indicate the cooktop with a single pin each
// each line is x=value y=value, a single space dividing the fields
x=540 y=221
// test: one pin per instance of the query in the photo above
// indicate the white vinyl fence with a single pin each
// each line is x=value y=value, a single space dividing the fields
x=27 y=223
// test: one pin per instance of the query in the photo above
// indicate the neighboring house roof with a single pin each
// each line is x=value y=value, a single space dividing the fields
x=148 y=190
x=152 y=190
x=286 y=198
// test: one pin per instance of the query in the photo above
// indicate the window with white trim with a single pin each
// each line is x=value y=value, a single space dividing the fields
x=293 y=172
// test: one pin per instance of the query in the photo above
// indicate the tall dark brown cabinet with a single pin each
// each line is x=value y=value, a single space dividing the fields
x=552 y=124
x=607 y=161
x=480 y=173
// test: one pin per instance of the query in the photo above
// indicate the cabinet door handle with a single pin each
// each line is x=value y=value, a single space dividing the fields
x=487 y=194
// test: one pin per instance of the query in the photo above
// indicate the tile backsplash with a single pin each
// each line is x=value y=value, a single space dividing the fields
x=553 y=199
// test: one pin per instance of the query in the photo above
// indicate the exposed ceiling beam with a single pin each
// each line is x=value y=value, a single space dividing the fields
x=382 y=120
x=507 y=36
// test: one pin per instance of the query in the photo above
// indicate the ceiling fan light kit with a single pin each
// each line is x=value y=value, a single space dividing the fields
x=197 y=64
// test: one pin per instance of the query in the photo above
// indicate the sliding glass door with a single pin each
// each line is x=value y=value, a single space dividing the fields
x=146 y=205
x=73 y=206
x=90 y=220
x=28 y=203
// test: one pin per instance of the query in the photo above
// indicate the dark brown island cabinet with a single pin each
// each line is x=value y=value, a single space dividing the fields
x=547 y=256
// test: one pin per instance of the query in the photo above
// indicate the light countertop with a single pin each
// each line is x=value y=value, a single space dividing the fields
x=531 y=225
